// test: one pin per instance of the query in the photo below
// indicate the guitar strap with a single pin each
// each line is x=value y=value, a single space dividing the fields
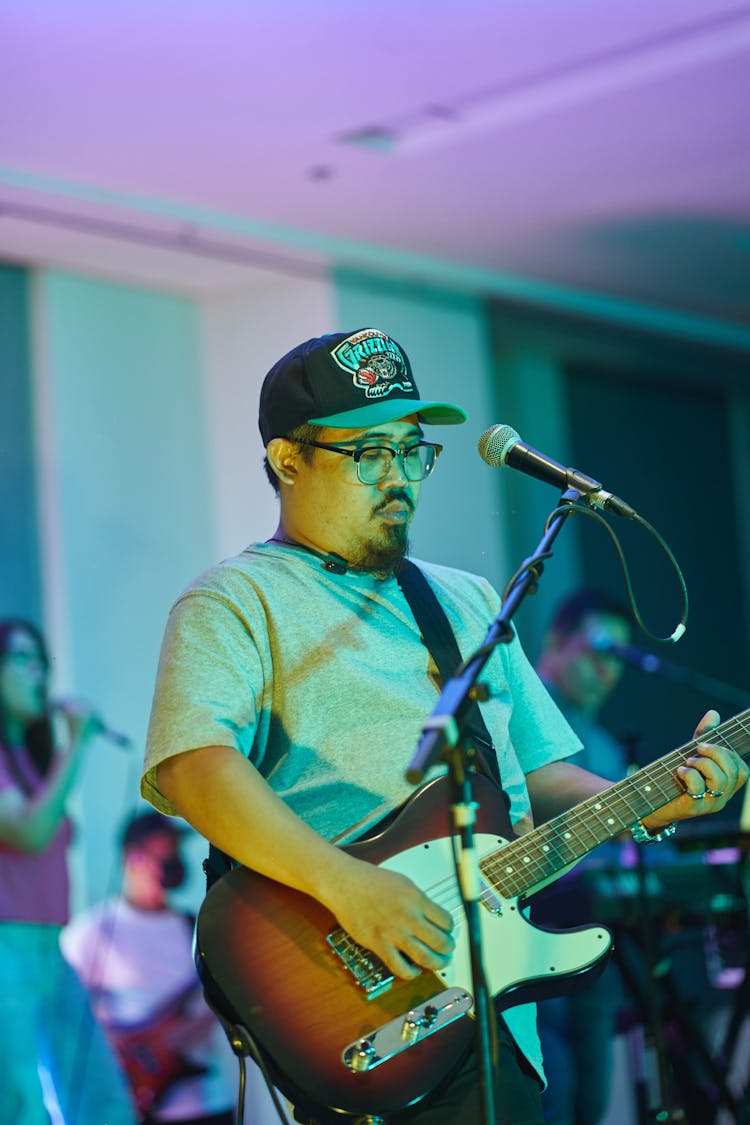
x=216 y=864
x=440 y=641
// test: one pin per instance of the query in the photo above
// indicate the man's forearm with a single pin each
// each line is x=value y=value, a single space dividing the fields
x=558 y=786
x=224 y=798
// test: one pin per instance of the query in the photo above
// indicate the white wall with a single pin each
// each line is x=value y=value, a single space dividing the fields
x=243 y=334
x=125 y=519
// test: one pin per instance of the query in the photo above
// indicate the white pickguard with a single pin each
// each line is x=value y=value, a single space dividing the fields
x=515 y=952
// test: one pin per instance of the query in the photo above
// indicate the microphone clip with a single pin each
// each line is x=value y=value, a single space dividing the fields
x=334 y=563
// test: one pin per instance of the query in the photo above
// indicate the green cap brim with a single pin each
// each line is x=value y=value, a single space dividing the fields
x=390 y=410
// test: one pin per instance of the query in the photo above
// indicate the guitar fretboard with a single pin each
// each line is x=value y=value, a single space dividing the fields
x=525 y=864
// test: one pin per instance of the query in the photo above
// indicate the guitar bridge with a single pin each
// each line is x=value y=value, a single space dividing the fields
x=370 y=973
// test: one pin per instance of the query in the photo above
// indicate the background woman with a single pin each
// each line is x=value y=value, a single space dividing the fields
x=56 y=1062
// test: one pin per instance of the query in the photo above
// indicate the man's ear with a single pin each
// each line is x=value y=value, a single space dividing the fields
x=282 y=456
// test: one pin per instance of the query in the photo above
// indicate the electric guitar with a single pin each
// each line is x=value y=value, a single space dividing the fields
x=332 y=1022
x=151 y=1051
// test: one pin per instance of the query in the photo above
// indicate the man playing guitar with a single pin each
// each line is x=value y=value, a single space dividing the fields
x=292 y=688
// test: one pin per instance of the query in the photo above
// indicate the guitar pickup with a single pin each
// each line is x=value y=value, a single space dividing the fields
x=490 y=899
x=404 y=1031
x=371 y=974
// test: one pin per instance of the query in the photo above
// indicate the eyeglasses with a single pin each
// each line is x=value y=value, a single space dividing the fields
x=375 y=462
x=24 y=659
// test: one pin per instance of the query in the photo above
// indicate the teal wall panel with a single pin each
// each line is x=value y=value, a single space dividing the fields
x=20 y=583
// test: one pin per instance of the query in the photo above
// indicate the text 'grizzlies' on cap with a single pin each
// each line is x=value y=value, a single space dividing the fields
x=345 y=380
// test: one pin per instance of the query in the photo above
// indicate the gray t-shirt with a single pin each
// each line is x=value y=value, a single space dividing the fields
x=323 y=682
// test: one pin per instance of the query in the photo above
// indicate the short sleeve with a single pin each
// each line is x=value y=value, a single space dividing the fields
x=209 y=681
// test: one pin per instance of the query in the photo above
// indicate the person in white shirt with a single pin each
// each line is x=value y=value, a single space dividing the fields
x=134 y=955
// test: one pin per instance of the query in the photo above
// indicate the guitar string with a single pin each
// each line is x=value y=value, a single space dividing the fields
x=541 y=865
x=446 y=892
x=658 y=772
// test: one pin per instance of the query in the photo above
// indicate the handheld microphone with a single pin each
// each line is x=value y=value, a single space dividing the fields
x=115 y=736
x=66 y=706
x=501 y=445
x=638 y=657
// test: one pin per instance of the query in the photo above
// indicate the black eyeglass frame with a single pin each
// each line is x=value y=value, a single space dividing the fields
x=401 y=451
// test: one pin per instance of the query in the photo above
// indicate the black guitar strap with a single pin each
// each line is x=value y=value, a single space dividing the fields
x=439 y=639
x=216 y=864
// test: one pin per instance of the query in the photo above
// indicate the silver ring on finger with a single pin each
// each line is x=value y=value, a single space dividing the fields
x=698 y=796
x=713 y=792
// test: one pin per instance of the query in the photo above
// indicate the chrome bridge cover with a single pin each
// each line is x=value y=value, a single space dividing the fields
x=370 y=973
x=404 y=1031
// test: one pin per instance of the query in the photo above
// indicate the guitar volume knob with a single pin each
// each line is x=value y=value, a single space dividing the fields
x=359 y=1056
x=412 y=1025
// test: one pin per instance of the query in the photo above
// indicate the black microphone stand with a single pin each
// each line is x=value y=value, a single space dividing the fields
x=650 y=999
x=697 y=681
x=441 y=740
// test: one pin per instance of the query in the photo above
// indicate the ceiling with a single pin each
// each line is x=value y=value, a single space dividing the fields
x=539 y=151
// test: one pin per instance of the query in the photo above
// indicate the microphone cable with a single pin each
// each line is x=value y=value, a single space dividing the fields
x=565 y=510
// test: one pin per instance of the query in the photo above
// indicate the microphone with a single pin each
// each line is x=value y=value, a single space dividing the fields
x=71 y=707
x=501 y=445
x=115 y=736
x=599 y=641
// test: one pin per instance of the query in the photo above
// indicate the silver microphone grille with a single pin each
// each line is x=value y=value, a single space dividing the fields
x=494 y=444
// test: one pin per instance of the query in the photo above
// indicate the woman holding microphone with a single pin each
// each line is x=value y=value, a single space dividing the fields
x=57 y=1064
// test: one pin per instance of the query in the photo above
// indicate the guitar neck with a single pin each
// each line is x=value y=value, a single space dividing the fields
x=536 y=858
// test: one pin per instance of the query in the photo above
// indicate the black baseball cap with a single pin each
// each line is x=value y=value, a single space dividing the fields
x=143 y=825
x=345 y=380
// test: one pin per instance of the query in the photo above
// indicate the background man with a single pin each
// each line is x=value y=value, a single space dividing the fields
x=134 y=954
x=577 y=1031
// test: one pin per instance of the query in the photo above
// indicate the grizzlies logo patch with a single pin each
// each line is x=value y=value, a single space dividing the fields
x=375 y=362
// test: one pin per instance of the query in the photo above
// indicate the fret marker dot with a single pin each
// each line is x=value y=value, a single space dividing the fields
x=545 y=847
x=508 y=870
x=567 y=835
x=597 y=806
x=647 y=788
x=525 y=859
x=610 y=820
